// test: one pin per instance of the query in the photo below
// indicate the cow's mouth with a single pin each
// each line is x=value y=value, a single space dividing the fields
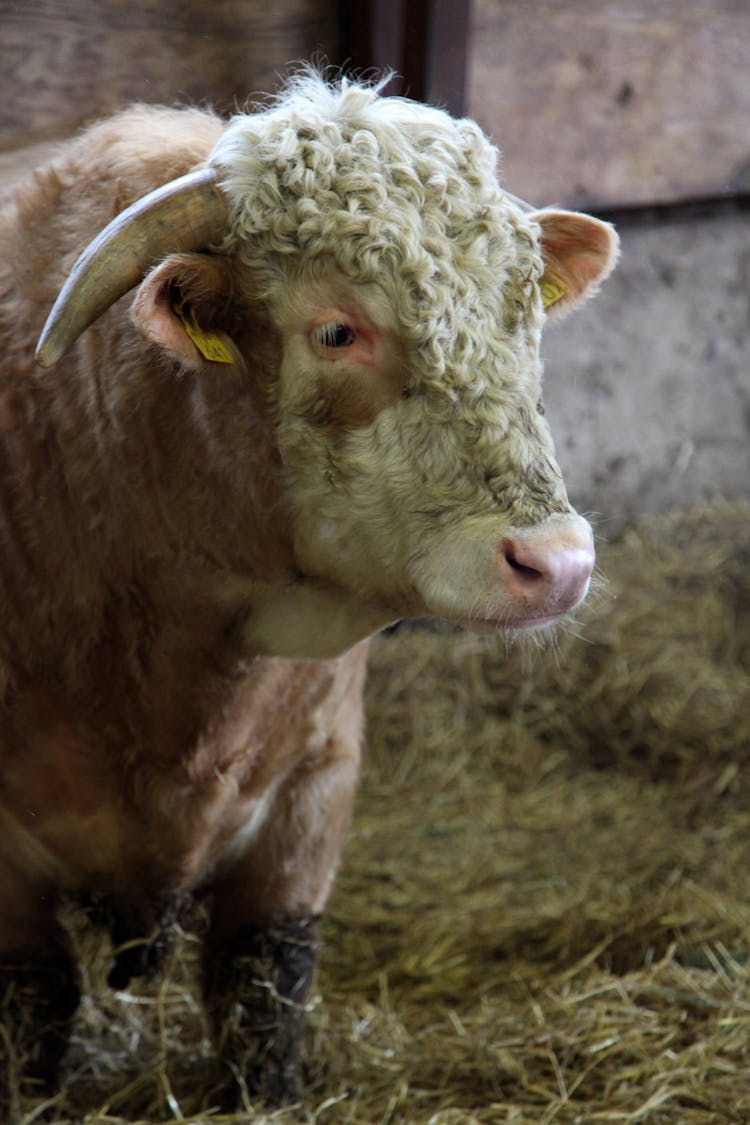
x=493 y=625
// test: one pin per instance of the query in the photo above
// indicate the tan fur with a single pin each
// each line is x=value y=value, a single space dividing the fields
x=178 y=533
x=136 y=735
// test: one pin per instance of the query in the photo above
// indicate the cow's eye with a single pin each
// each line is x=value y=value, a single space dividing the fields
x=334 y=335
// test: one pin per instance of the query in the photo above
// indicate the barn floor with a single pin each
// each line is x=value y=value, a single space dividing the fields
x=543 y=913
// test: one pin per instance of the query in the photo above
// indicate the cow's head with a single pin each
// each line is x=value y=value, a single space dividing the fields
x=406 y=292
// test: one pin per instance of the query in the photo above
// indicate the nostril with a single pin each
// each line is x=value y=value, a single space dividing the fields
x=526 y=572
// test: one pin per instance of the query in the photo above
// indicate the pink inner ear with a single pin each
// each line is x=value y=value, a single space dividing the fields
x=152 y=311
x=578 y=251
x=156 y=320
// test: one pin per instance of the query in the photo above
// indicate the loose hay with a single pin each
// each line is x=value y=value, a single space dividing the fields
x=544 y=909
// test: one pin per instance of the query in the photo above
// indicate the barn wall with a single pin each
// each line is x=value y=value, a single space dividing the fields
x=599 y=103
x=617 y=108
x=63 y=64
x=648 y=387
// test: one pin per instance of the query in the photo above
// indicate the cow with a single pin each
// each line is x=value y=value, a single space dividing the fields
x=319 y=413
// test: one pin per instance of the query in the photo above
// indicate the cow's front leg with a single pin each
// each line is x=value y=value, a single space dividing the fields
x=262 y=947
x=257 y=987
x=39 y=989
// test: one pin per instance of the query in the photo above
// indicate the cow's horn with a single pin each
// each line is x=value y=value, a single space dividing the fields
x=186 y=214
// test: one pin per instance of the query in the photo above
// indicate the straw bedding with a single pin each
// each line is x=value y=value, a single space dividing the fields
x=543 y=914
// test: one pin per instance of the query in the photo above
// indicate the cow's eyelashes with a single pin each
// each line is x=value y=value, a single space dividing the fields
x=334 y=335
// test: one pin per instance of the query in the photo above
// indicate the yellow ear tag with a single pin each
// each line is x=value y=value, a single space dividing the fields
x=208 y=344
x=551 y=292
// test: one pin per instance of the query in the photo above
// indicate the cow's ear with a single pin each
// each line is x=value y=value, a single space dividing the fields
x=578 y=253
x=181 y=307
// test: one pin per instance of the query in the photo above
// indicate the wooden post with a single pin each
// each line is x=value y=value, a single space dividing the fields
x=424 y=41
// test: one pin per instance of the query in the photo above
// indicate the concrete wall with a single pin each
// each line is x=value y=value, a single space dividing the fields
x=647 y=387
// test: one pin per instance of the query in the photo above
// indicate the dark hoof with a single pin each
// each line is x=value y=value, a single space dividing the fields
x=256 y=990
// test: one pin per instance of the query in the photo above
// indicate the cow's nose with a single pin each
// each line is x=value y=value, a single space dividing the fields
x=546 y=576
